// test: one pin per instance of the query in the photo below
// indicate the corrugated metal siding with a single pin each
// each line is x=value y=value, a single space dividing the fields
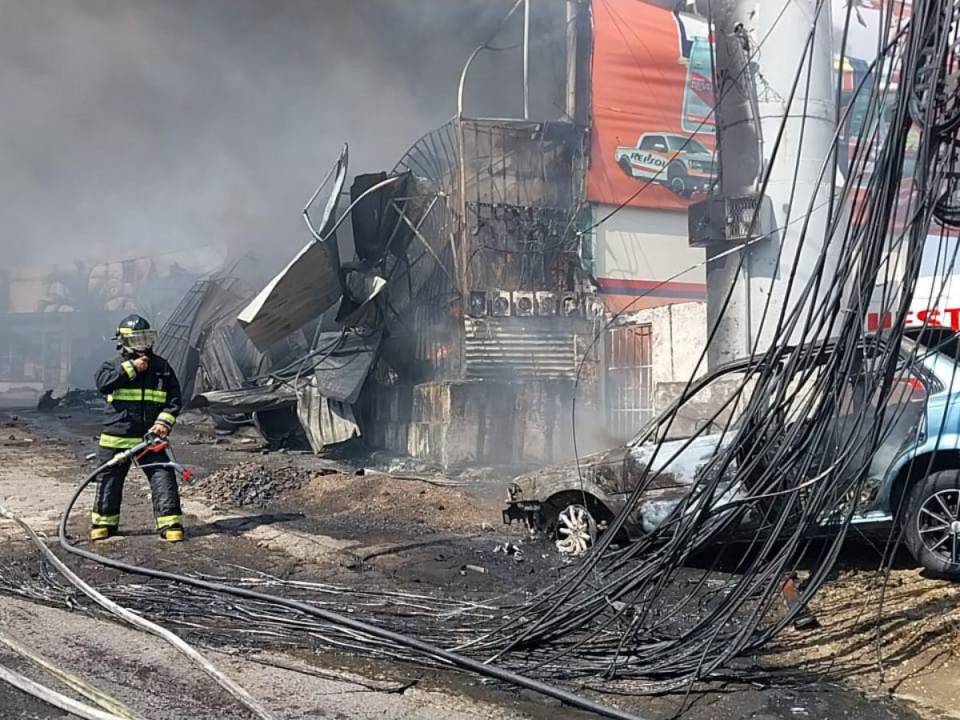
x=519 y=348
x=325 y=421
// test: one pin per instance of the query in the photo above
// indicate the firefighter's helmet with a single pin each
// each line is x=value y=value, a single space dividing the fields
x=134 y=335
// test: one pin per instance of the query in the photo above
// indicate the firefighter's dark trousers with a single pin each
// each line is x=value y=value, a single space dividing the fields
x=163 y=490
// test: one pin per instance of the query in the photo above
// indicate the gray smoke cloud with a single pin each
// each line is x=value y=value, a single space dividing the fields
x=133 y=127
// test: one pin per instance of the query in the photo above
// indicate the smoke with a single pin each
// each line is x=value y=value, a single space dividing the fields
x=141 y=127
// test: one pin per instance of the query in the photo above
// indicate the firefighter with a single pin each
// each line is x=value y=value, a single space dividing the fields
x=143 y=397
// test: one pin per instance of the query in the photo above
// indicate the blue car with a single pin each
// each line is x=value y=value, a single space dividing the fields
x=916 y=468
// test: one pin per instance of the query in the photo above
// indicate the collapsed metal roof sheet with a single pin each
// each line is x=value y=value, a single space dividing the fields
x=345 y=363
x=210 y=303
x=377 y=227
x=336 y=370
x=246 y=400
x=309 y=284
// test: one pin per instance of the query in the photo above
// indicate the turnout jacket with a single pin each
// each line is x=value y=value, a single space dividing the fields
x=135 y=401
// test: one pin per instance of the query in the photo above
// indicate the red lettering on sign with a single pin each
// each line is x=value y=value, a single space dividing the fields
x=954 y=314
x=929 y=317
x=873 y=321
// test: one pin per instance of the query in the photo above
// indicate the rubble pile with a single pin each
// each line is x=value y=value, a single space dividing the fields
x=83 y=399
x=251 y=484
x=88 y=399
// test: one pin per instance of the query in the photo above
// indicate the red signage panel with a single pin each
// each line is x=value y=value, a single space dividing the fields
x=652 y=91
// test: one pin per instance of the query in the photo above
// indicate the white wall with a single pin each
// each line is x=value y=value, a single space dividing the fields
x=643 y=248
x=644 y=244
x=679 y=335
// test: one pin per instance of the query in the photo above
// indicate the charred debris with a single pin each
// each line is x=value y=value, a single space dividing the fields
x=442 y=312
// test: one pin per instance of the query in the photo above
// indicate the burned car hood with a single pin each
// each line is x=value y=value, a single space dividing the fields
x=674 y=466
x=603 y=469
x=617 y=471
x=675 y=463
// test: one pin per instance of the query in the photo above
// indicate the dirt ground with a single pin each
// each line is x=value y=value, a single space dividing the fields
x=311 y=519
x=900 y=636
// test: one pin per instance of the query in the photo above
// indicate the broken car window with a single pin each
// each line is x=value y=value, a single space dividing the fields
x=717 y=406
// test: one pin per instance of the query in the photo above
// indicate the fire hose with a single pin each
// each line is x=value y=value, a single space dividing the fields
x=439 y=654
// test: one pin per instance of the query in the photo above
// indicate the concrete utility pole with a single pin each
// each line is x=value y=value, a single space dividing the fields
x=526 y=59
x=570 y=36
x=578 y=48
x=761 y=46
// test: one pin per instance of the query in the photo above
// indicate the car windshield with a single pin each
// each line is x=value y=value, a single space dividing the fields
x=687 y=145
x=720 y=403
x=713 y=407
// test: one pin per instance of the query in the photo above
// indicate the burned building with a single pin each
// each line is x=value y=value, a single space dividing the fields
x=57 y=321
x=463 y=323
x=488 y=312
x=450 y=311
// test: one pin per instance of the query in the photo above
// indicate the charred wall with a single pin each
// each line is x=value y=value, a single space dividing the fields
x=493 y=252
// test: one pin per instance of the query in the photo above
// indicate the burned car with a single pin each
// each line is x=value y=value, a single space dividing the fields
x=917 y=462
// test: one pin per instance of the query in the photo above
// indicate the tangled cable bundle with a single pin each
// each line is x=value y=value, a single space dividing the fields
x=792 y=458
x=797 y=439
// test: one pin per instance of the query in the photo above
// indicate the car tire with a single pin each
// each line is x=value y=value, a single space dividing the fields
x=574 y=522
x=625 y=165
x=932 y=531
x=678 y=180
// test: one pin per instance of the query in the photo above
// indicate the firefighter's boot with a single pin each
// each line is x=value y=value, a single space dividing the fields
x=102 y=532
x=172 y=534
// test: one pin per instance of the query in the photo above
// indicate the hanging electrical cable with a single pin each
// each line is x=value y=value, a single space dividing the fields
x=797 y=433
x=615 y=615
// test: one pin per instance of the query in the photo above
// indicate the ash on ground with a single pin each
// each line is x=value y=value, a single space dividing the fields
x=251 y=484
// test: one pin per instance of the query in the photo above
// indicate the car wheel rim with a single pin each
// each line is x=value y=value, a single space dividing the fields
x=575 y=531
x=938 y=524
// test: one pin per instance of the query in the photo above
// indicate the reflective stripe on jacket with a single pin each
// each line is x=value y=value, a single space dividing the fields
x=135 y=401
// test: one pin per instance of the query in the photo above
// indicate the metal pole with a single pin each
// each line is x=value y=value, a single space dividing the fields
x=526 y=59
x=572 y=19
x=739 y=151
x=461 y=150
